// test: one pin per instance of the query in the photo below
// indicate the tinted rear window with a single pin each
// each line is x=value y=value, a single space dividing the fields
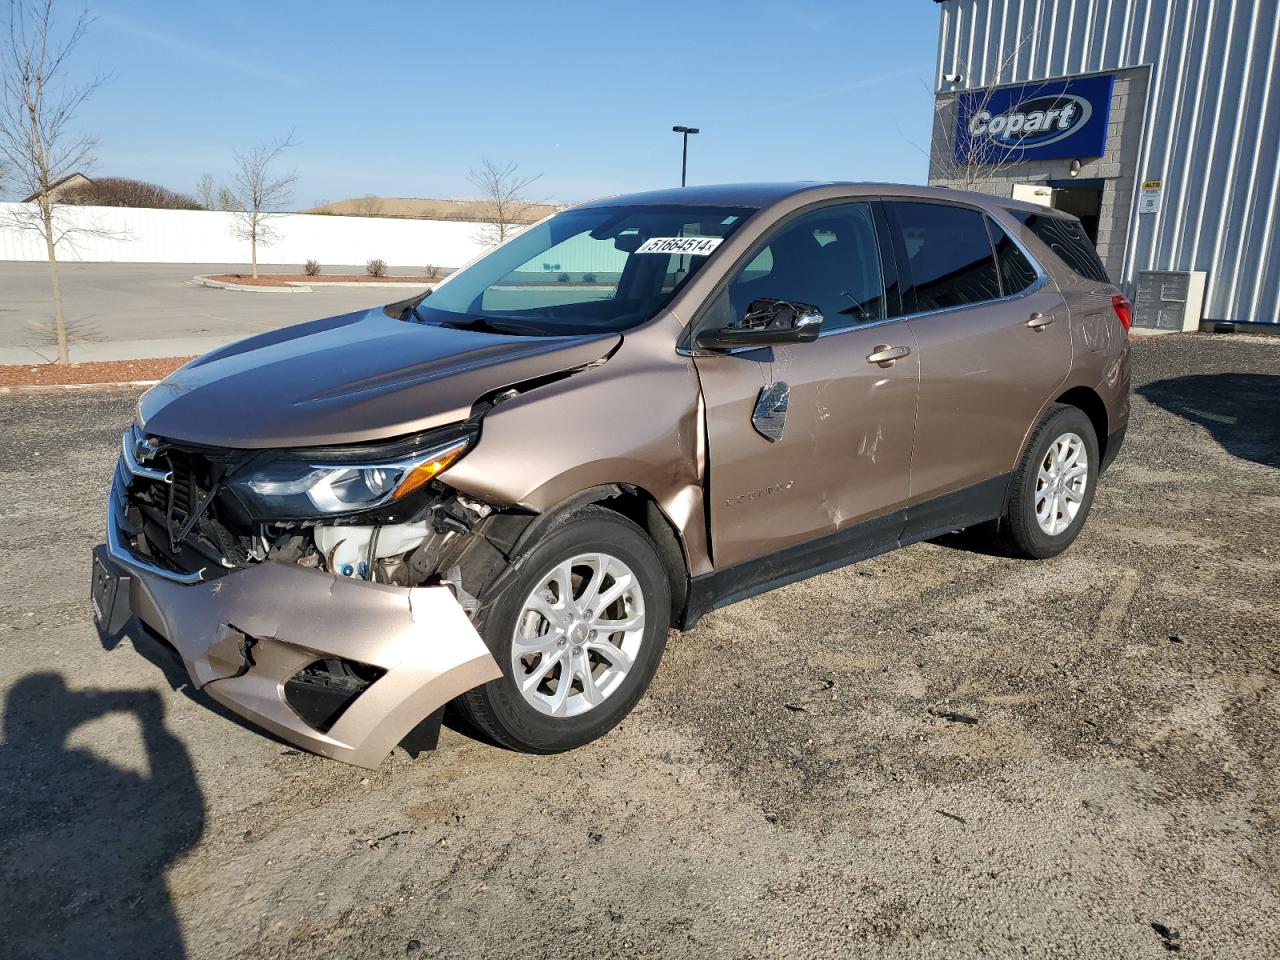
x=1067 y=239
x=1016 y=271
x=948 y=254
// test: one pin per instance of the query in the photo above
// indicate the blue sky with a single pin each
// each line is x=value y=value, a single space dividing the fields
x=401 y=99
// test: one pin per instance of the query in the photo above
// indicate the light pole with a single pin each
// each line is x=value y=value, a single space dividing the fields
x=684 y=154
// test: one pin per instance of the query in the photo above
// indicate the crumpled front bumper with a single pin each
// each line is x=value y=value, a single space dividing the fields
x=243 y=635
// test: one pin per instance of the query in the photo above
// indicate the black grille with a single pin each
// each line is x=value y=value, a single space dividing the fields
x=192 y=481
x=183 y=497
x=322 y=691
x=163 y=512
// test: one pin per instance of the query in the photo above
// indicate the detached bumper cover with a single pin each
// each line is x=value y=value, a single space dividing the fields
x=243 y=635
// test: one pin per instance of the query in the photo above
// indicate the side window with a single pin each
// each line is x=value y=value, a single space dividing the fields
x=1016 y=271
x=828 y=257
x=948 y=255
x=1067 y=239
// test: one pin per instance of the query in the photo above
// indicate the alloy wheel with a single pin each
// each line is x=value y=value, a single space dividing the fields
x=1061 y=483
x=578 y=634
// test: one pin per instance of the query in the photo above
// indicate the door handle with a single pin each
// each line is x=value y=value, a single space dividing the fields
x=885 y=354
x=1039 y=321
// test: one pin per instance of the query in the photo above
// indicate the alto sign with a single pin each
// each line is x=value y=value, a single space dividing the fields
x=1040 y=121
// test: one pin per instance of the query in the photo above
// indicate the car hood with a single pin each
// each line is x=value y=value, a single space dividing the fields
x=357 y=377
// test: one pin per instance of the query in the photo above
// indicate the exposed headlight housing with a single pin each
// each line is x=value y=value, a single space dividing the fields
x=301 y=486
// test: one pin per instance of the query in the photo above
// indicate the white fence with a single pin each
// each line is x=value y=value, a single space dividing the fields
x=135 y=235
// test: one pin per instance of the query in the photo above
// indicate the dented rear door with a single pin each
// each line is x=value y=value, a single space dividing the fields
x=990 y=362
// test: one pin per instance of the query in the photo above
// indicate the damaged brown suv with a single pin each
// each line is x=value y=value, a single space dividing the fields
x=504 y=494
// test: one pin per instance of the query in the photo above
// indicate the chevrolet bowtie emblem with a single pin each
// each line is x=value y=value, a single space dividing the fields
x=144 y=448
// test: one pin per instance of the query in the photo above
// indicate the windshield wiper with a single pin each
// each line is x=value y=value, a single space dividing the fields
x=403 y=309
x=492 y=325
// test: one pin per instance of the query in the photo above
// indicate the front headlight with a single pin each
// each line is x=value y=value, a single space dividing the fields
x=306 y=487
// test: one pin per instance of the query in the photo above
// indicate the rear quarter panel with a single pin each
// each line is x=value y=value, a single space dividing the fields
x=1102 y=351
x=1100 y=344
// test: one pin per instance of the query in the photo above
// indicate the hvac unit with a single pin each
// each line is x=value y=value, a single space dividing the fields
x=1168 y=301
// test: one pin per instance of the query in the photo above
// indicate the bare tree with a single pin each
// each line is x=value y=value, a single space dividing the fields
x=258 y=193
x=37 y=107
x=368 y=206
x=207 y=192
x=981 y=161
x=503 y=203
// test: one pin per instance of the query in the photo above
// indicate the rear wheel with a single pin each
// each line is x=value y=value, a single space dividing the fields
x=578 y=634
x=1053 y=487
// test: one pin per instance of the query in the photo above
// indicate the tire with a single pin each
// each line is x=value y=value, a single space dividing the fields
x=499 y=709
x=1023 y=533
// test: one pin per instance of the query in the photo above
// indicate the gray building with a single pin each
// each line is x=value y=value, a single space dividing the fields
x=1157 y=122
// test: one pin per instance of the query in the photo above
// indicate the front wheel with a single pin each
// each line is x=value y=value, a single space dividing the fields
x=578 y=633
x=1053 y=487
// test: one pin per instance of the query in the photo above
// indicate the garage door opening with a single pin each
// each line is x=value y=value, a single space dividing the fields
x=1082 y=198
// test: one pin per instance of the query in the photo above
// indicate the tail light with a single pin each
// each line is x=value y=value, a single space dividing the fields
x=1124 y=310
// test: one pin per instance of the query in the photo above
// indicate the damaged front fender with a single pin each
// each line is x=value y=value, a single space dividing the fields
x=243 y=636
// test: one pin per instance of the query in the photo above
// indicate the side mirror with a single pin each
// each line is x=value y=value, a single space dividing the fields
x=766 y=322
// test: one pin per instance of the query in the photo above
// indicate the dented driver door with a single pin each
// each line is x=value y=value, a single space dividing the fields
x=806 y=440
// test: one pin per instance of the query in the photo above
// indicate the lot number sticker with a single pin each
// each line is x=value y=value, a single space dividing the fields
x=697 y=246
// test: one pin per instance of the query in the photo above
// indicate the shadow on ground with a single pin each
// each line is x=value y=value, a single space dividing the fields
x=86 y=843
x=1238 y=410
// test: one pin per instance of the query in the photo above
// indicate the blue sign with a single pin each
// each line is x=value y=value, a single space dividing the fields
x=1035 y=121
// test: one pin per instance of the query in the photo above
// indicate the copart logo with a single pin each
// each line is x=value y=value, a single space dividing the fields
x=1034 y=122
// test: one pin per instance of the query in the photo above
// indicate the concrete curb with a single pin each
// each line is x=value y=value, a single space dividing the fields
x=27 y=389
x=241 y=288
x=399 y=285
x=298 y=287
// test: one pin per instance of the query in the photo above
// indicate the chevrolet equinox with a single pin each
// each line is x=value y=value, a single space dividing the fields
x=505 y=493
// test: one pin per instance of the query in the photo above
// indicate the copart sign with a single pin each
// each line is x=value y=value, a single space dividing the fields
x=1034 y=121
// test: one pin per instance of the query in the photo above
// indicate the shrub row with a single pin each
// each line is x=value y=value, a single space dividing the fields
x=375 y=268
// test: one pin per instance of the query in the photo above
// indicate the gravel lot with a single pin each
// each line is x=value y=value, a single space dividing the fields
x=792 y=786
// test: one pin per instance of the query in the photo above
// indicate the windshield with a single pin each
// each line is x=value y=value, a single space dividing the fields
x=600 y=269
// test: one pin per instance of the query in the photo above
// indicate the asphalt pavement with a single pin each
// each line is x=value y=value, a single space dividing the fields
x=132 y=311
x=938 y=753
